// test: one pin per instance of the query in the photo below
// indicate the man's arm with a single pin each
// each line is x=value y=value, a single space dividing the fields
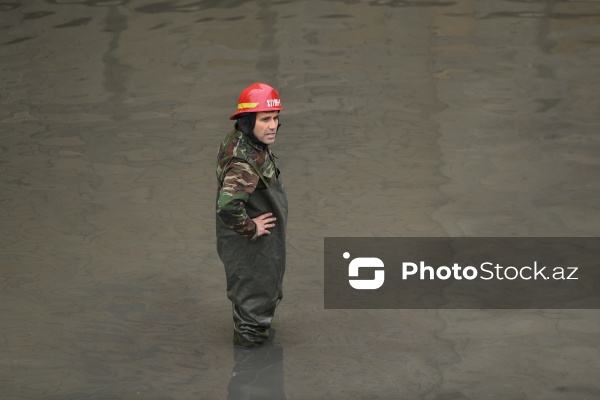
x=238 y=185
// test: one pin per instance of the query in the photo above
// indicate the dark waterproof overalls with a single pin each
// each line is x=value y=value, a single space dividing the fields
x=255 y=268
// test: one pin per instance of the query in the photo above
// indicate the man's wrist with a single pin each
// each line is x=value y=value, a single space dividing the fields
x=255 y=229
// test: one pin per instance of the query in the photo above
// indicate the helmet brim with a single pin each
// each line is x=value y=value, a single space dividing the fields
x=239 y=113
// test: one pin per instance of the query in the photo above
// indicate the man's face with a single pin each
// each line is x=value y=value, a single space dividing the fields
x=265 y=127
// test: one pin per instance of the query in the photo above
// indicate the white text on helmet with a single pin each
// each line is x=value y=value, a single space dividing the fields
x=273 y=103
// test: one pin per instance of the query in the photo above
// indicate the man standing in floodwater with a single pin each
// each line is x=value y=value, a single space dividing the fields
x=252 y=215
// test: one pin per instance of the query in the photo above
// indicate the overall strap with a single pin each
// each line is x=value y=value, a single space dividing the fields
x=273 y=157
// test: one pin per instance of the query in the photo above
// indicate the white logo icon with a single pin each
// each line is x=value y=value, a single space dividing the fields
x=365 y=262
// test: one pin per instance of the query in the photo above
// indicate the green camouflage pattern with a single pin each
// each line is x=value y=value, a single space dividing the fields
x=238 y=179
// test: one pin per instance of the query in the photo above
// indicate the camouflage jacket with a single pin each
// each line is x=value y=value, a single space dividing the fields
x=238 y=179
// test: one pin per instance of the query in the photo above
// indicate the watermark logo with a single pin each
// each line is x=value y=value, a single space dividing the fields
x=462 y=273
x=365 y=262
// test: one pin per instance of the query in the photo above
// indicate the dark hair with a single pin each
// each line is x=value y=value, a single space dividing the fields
x=245 y=123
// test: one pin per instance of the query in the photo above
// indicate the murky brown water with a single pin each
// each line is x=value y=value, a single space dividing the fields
x=403 y=118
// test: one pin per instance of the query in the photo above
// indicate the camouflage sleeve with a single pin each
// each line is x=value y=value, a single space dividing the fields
x=239 y=183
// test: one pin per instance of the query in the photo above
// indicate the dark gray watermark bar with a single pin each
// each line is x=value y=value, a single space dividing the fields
x=461 y=273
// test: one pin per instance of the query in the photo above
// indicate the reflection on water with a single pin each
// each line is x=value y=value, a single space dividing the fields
x=258 y=373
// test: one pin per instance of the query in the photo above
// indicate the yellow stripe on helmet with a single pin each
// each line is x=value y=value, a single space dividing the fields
x=241 y=106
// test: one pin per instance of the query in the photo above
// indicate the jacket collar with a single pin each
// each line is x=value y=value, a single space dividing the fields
x=258 y=146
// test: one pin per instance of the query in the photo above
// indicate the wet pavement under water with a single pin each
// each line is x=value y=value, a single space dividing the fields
x=403 y=118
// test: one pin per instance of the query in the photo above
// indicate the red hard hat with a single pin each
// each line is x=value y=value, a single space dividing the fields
x=256 y=98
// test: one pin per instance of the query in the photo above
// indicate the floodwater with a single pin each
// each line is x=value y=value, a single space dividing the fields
x=402 y=118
